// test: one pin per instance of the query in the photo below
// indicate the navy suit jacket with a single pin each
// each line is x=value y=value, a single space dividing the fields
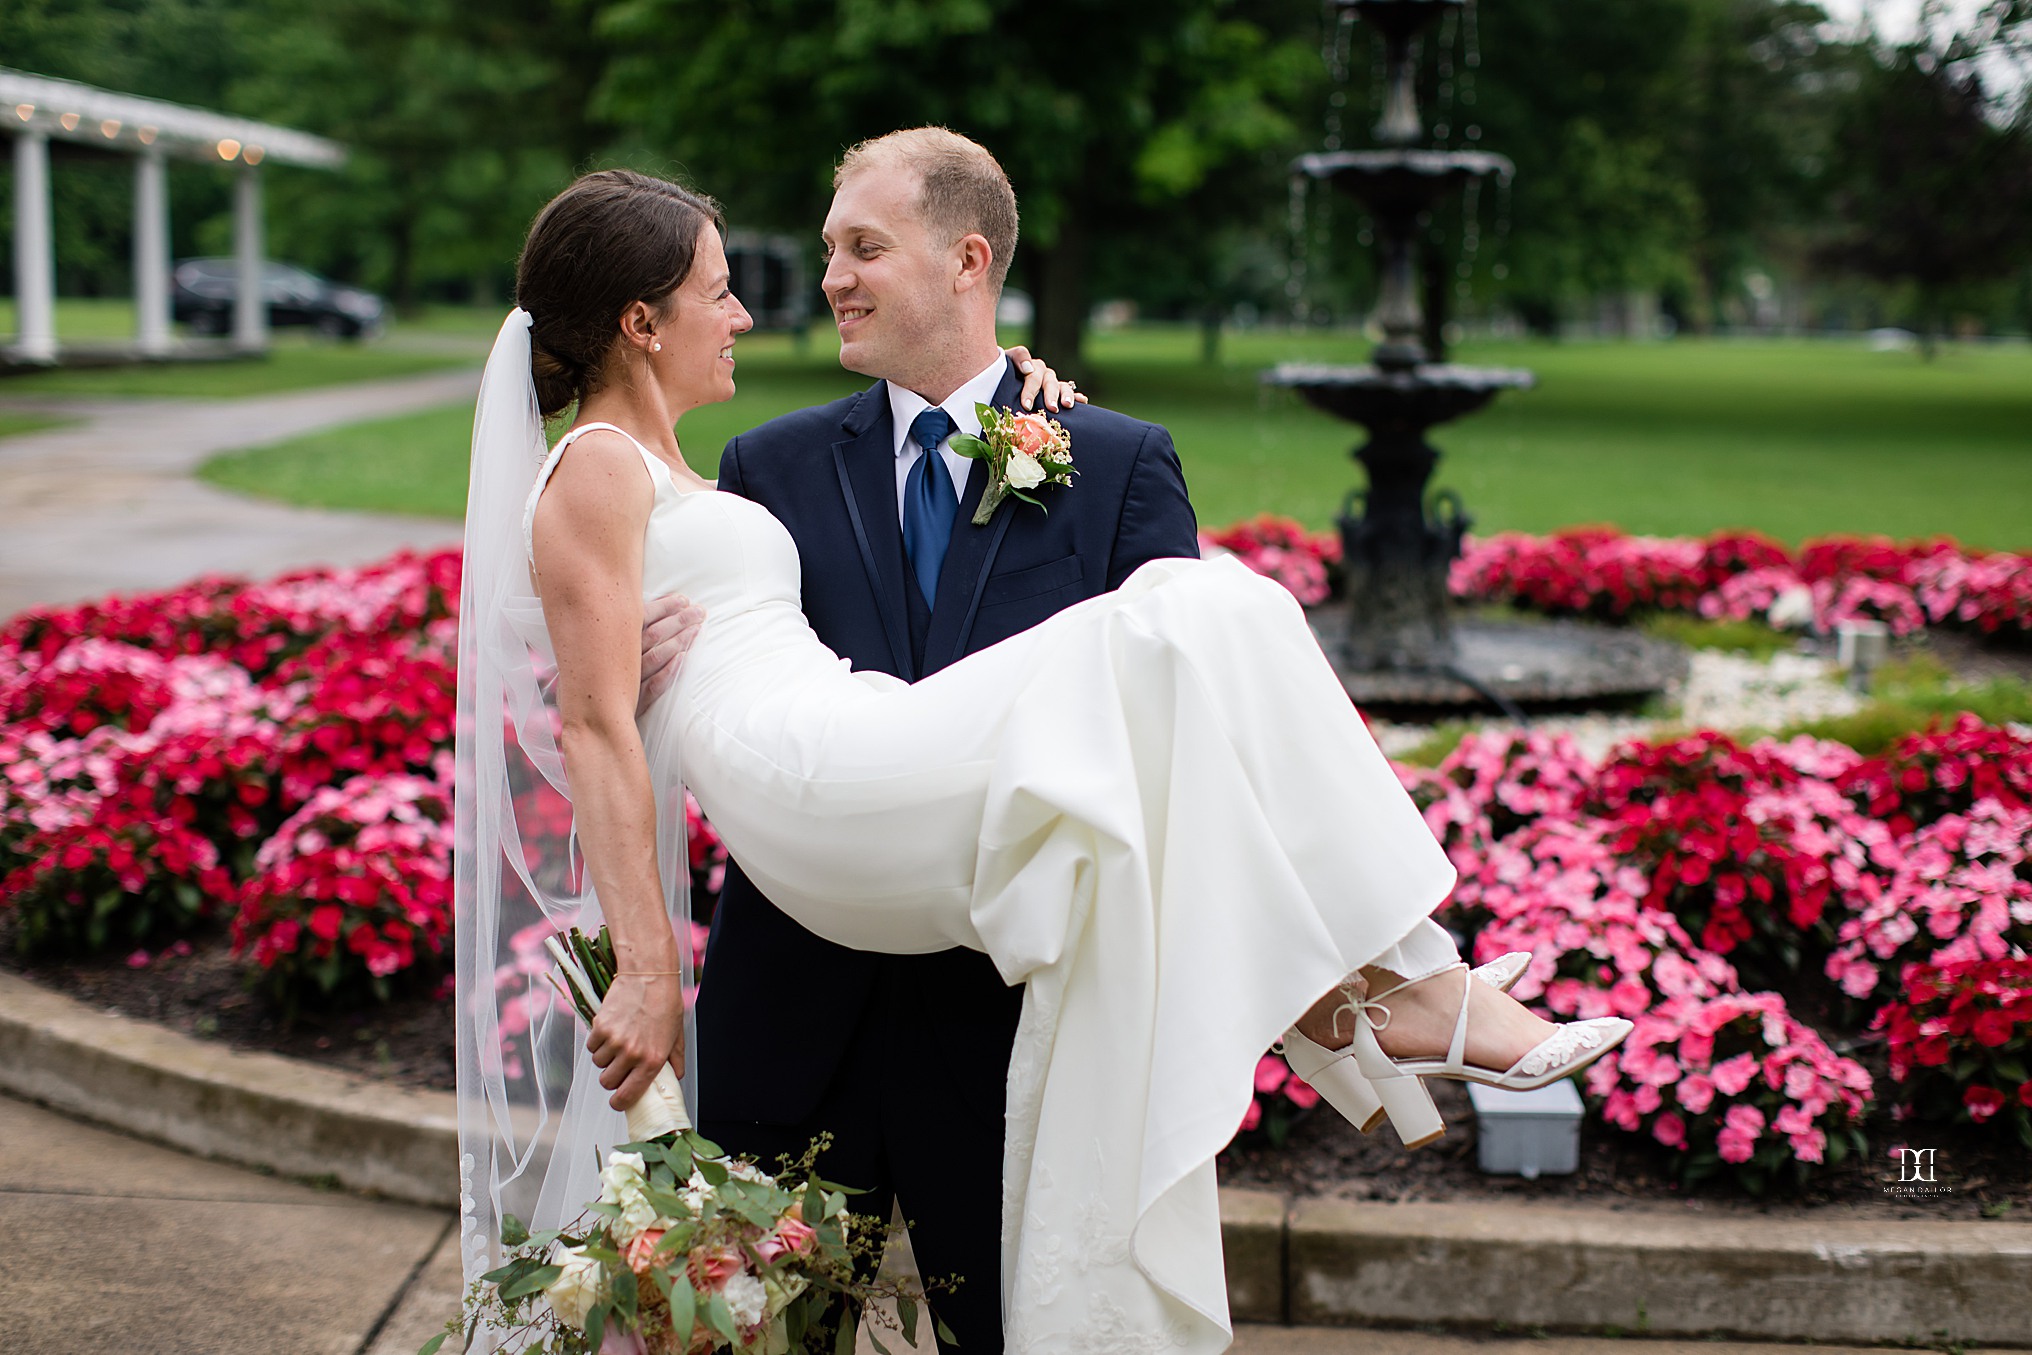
x=778 y=1004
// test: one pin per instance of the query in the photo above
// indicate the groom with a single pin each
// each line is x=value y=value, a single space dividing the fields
x=903 y=1059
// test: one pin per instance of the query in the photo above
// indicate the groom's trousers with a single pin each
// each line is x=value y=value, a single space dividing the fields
x=915 y=1135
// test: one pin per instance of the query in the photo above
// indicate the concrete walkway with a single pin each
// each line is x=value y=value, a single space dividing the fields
x=113 y=1246
x=109 y=505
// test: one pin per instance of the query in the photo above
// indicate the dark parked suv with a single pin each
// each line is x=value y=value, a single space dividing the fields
x=205 y=289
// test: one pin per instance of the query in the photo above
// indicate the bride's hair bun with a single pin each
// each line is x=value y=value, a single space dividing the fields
x=558 y=381
x=612 y=238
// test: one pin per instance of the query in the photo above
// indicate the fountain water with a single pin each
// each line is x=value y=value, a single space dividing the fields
x=1401 y=644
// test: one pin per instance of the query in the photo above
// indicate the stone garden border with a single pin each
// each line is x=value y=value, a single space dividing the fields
x=1478 y=1265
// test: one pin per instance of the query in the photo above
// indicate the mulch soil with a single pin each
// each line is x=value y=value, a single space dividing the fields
x=1979 y=1172
x=204 y=993
x=1973 y=658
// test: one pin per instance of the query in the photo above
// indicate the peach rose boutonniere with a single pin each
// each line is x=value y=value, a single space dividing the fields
x=1023 y=452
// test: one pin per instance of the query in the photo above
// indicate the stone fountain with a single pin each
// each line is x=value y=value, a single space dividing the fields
x=1400 y=643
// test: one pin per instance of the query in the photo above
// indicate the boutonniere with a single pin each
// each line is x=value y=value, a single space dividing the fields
x=1023 y=451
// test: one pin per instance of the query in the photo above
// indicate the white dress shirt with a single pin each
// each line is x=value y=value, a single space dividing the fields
x=906 y=405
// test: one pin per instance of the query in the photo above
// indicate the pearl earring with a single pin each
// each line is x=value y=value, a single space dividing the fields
x=656 y=347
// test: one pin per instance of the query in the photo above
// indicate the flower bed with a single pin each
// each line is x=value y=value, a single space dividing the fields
x=276 y=756
x=1603 y=574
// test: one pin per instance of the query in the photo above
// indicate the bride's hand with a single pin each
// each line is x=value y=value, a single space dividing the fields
x=639 y=1029
x=669 y=624
x=1038 y=378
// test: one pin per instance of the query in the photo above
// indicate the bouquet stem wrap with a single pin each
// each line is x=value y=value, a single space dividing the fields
x=660 y=1111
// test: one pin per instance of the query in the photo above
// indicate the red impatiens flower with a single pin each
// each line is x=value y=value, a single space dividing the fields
x=1982 y=1102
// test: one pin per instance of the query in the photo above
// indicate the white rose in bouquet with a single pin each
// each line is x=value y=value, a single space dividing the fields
x=623 y=1172
x=572 y=1295
x=622 y=1183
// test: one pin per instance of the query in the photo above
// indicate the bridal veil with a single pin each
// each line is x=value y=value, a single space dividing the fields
x=533 y=1120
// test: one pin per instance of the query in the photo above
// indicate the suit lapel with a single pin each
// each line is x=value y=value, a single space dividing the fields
x=866 y=464
x=971 y=555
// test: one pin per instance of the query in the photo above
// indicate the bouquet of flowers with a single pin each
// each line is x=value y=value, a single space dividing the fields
x=686 y=1250
x=1023 y=451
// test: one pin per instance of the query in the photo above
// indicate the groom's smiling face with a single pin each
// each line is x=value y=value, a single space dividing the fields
x=888 y=279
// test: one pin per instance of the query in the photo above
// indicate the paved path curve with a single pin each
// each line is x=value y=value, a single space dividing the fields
x=111 y=505
x=112 y=1246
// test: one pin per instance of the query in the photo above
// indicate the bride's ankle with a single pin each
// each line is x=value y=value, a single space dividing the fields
x=1376 y=980
x=1327 y=1023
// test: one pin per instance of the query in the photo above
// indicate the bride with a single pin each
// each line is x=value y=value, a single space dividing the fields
x=1156 y=811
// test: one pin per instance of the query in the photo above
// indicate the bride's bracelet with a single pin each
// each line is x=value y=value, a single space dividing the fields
x=646 y=973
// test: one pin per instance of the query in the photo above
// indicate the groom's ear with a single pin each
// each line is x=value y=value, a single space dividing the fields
x=975 y=260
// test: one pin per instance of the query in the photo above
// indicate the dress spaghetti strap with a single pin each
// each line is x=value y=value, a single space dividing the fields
x=658 y=473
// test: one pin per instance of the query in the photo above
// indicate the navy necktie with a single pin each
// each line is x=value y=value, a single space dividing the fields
x=929 y=502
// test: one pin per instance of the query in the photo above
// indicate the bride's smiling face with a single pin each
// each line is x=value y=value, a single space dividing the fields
x=695 y=365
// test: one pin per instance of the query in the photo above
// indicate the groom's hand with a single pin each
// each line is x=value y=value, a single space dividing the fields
x=669 y=624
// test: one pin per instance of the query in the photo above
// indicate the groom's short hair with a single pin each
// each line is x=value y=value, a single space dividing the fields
x=965 y=190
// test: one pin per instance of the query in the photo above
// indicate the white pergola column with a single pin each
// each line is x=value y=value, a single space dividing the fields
x=250 y=307
x=34 y=252
x=151 y=253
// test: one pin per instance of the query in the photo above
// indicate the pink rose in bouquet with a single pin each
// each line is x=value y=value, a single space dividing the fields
x=792 y=1237
x=711 y=1268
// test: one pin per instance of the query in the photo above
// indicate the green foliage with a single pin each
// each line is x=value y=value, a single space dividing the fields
x=461 y=122
x=1150 y=127
x=1929 y=185
x=1438 y=743
x=1916 y=694
x=1674 y=146
x=1739 y=637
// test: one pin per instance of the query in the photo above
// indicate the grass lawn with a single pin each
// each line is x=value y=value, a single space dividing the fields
x=1793 y=438
x=298 y=360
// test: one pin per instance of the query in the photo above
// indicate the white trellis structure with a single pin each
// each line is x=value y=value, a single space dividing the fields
x=37 y=110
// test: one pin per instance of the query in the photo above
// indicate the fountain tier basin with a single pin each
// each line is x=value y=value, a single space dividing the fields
x=1401 y=184
x=1378 y=397
x=1531 y=664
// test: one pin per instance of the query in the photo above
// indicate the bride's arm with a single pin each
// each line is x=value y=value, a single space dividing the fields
x=588 y=542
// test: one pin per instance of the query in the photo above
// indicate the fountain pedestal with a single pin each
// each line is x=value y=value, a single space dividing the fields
x=1400 y=643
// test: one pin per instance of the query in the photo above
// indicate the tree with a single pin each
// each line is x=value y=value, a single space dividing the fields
x=460 y=121
x=1754 y=124
x=1106 y=115
x=1585 y=97
x=1932 y=180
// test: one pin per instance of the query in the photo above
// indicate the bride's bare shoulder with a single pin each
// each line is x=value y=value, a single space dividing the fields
x=598 y=480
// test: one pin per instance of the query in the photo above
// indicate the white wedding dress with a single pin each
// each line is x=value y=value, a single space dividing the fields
x=1157 y=810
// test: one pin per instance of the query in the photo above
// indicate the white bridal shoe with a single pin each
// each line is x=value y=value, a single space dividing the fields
x=1369 y=1085
x=1333 y=1073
